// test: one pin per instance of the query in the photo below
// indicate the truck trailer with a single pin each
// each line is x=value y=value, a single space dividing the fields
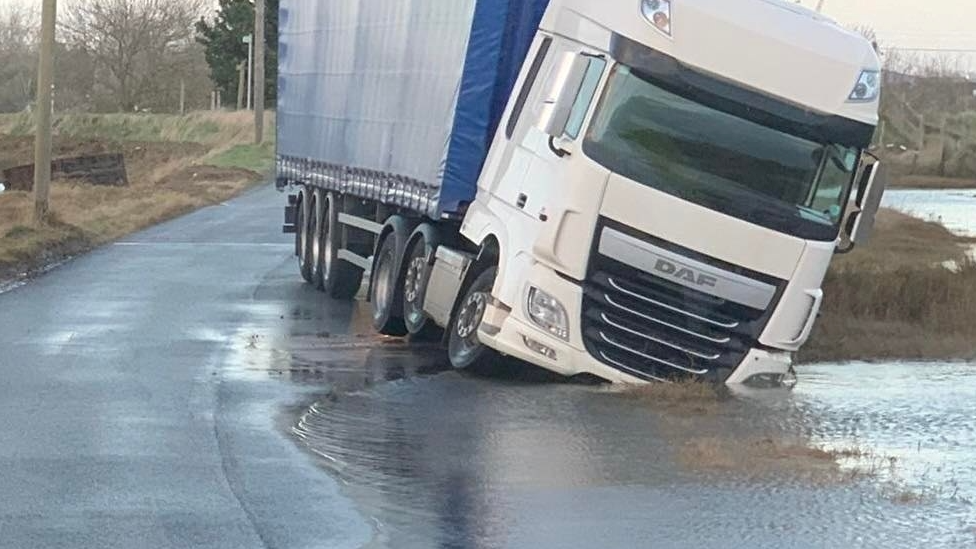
x=631 y=190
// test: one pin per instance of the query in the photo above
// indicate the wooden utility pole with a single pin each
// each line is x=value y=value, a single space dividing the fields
x=45 y=83
x=241 y=86
x=249 y=40
x=259 y=56
x=820 y=5
x=182 y=97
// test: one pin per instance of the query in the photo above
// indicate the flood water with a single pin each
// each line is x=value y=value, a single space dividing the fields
x=437 y=458
x=956 y=209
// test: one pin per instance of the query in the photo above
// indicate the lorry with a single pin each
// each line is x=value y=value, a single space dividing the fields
x=628 y=190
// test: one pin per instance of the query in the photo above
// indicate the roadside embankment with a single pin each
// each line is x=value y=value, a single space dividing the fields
x=932 y=182
x=909 y=294
x=175 y=164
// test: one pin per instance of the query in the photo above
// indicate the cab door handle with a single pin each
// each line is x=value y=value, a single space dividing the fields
x=523 y=199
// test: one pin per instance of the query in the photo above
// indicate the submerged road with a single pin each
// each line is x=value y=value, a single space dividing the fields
x=182 y=388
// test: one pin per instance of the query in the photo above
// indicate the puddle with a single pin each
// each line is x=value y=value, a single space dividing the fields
x=955 y=209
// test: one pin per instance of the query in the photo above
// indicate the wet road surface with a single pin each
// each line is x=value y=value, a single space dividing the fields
x=119 y=426
x=183 y=389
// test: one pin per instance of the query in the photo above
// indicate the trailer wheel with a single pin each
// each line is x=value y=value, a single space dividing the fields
x=304 y=242
x=416 y=274
x=339 y=279
x=384 y=290
x=463 y=346
x=317 y=224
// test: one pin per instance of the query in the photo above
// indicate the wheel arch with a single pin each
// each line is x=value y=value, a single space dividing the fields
x=485 y=226
x=429 y=233
x=490 y=254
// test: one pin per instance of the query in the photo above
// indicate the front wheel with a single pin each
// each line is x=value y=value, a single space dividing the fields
x=463 y=347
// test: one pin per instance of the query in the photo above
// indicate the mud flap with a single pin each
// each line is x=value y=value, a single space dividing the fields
x=291 y=216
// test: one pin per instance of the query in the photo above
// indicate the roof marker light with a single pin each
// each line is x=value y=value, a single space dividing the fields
x=658 y=13
x=868 y=87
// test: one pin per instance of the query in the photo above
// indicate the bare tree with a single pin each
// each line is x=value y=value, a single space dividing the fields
x=18 y=57
x=138 y=47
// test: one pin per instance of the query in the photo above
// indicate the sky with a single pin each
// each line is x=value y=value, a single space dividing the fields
x=931 y=24
x=935 y=24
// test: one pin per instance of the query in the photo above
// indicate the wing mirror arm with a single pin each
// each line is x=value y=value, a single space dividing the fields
x=859 y=227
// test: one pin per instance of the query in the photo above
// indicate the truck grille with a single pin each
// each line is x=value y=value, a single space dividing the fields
x=654 y=329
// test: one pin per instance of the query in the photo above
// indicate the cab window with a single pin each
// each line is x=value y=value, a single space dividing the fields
x=594 y=73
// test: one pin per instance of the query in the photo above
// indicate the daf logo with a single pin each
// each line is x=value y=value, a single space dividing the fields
x=683 y=273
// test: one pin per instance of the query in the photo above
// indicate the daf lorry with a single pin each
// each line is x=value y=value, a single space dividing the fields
x=631 y=190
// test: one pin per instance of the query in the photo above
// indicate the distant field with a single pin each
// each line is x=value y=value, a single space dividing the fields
x=175 y=165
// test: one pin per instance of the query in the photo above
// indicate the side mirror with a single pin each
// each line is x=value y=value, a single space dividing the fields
x=870 y=190
x=565 y=83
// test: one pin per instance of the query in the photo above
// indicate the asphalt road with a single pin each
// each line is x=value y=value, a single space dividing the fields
x=123 y=422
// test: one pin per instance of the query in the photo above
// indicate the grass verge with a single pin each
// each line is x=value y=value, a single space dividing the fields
x=175 y=165
x=256 y=158
x=910 y=294
x=683 y=397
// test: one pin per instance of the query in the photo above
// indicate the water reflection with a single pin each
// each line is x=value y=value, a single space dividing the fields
x=458 y=461
x=922 y=415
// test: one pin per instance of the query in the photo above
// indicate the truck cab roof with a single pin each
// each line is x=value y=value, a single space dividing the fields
x=771 y=46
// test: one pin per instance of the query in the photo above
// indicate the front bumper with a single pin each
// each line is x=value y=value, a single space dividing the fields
x=513 y=334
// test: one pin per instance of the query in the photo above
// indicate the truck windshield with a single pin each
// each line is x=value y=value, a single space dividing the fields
x=720 y=161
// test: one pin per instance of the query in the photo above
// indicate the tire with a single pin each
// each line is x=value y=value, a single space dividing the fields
x=304 y=242
x=463 y=346
x=299 y=227
x=317 y=224
x=385 y=290
x=339 y=279
x=416 y=274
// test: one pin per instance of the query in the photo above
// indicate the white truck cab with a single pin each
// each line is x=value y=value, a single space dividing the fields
x=670 y=183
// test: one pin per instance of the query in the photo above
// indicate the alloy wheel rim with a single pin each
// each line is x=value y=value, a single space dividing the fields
x=471 y=314
x=414 y=279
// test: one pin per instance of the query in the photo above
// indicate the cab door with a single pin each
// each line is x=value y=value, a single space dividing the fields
x=525 y=178
x=530 y=172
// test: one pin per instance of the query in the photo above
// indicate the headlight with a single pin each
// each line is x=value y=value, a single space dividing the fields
x=868 y=87
x=548 y=313
x=658 y=13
